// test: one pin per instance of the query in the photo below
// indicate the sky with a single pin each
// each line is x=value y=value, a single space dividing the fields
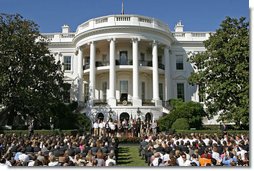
x=196 y=15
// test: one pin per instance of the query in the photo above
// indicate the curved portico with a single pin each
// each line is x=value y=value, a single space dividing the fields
x=105 y=58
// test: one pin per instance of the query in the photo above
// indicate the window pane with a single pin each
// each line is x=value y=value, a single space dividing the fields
x=179 y=62
x=124 y=86
x=161 y=91
x=180 y=91
x=143 y=91
x=104 y=90
x=123 y=58
x=67 y=62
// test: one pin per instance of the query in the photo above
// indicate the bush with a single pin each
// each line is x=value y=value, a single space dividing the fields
x=181 y=124
x=192 y=111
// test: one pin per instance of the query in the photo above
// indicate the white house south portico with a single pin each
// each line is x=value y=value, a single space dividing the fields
x=127 y=64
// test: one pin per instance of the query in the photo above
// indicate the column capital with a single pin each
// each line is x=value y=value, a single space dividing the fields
x=155 y=42
x=111 y=39
x=135 y=39
x=77 y=49
x=91 y=42
x=167 y=47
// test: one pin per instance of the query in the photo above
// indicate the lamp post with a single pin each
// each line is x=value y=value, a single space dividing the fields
x=110 y=113
x=138 y=112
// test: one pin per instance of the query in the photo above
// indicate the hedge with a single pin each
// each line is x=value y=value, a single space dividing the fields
x=43 y=132
x=120 y=139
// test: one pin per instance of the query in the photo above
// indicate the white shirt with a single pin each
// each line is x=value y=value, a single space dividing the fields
x=181 y=162
x=95 y=125
x=102 y=125
x=110 y=160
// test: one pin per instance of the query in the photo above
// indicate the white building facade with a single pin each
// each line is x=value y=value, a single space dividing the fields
x=127 y=66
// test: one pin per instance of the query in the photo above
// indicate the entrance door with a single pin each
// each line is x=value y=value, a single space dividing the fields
x=123 y=116
x=148 y=117
x=100 y=116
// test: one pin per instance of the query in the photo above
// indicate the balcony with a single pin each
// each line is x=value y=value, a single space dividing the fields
x=124 y=62
x=128 y=62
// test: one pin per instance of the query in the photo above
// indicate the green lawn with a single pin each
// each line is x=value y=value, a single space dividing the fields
x=129 y=156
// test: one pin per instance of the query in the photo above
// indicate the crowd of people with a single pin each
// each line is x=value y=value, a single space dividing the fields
x=100 y=147
x=195 y=150
x=124 y=127
x=58 y=150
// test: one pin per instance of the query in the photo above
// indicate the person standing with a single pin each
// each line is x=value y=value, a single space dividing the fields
x=31 y=129
x=95 y=128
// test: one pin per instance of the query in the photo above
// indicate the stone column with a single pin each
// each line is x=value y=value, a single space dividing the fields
x=80 y=75
x=156 y=97
x=167 y=74
x=92 y=70
x=135 y=98
x=112 y=73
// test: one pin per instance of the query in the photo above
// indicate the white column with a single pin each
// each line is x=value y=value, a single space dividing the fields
x=167 y=73
x=92 y=70
x=112 y=73
x=155 y=72
x=80 y=75
x=135 y=99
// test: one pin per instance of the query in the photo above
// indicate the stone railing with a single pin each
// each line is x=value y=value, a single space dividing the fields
x=191 y=36
x=119 y=20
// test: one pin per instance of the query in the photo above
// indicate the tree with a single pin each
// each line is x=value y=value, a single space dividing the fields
x=67 y=117
x=181 y=124
x=30 y=80
x=224 y=76
x=192 y=111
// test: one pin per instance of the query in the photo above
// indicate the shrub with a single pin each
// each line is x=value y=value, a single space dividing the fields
x=181 y=124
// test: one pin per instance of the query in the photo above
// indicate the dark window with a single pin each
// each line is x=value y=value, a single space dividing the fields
x=123 y=58
x=180 y=91
x=67 y=63
x=161 y=91
x=179 y=62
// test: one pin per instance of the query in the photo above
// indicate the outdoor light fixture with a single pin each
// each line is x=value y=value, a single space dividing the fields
x=138 y=111
x=110 y=113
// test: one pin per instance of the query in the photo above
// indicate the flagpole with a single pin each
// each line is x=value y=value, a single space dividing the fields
x=122 y=7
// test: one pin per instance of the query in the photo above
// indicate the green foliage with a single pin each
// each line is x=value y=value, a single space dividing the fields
x=226 y=71
x=30 y=80
x=181 y=124
x=192 y=111
x=65 y=117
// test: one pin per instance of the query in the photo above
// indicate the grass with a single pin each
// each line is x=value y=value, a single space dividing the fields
x=129 y=156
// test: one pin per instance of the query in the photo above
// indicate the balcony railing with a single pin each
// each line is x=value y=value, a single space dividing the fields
x=123 y=62
x=101 y=63
x=128 y=62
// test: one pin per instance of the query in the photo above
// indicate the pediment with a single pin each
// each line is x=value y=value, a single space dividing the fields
x=180 y=77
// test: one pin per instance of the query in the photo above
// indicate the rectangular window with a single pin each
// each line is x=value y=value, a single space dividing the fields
x=67 y=63
x=123 y=59
x=124 y=90
x=142 y=59
x=180 y=91
x=161 y=91
x=124 y=86
x=143 y=95
x=179 y=62
x=104 y=90
x=86 y=92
